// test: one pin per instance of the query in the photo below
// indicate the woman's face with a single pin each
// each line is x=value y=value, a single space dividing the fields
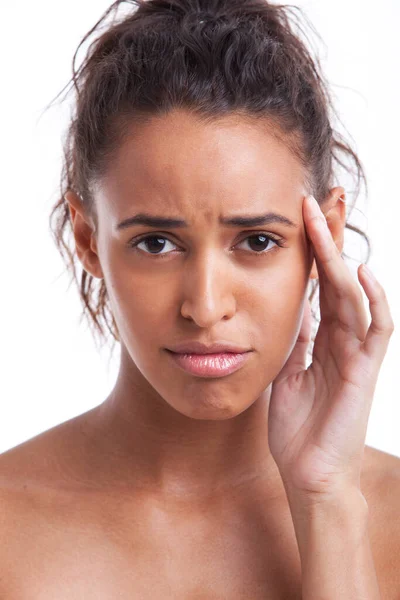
x=205 y=281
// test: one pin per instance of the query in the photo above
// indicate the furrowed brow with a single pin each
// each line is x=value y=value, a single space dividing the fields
x=257 y=220
x=174 y=223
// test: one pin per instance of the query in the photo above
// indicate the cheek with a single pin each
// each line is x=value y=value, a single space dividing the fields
x=277 y=305
x=281 y=285
x=268 y=299
x=139 y=303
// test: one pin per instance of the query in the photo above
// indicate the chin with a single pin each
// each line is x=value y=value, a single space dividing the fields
x=211 y=406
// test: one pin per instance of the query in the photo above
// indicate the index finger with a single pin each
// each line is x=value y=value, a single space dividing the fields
x=327 y=256
x=341 y=296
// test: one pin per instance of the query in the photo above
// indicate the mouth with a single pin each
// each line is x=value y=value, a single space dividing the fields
x=217 y=364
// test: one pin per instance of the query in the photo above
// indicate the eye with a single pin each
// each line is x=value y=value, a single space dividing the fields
x=154 y=242
x=259 y=243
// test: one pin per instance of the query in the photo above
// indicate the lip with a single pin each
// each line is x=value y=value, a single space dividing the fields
x=210 y=364
x=195 y=347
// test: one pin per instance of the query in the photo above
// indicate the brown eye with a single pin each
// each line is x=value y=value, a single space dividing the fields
x=153 y=244
x=260 y=243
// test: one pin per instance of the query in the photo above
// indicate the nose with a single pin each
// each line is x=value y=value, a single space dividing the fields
x=208 y=293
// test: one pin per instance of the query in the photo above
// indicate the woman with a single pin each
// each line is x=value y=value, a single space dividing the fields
x=222 y=464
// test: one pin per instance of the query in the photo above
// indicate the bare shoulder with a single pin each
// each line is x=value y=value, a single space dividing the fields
x=381 y=479
x=45 y=516
x=41 y=458
x=23 y=475
x=381 y=488
x=36 y=468
x=39 y=473
x=39 y=512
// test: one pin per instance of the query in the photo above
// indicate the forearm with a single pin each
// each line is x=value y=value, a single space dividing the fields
x=335 y=551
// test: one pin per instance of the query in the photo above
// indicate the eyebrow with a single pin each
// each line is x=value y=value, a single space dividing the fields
x=239 y=221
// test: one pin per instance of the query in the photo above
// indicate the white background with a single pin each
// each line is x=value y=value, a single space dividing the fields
x=50 y=368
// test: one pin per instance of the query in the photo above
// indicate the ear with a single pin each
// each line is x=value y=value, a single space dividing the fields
x=334 y=209
x=84 y=234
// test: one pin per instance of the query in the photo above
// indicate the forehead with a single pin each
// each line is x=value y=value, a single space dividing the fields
x=182 y=163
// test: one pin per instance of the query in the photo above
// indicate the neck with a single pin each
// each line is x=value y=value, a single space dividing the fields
x=145 y=442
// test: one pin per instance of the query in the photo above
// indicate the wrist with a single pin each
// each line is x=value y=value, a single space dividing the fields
x=346 y=512
x=348 y=497
x=334 y=546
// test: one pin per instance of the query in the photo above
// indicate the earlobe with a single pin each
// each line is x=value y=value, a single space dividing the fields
x=83 y=230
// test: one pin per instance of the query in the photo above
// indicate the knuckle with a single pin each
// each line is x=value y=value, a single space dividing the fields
x=381 y=292
x=380 y=296
x=347 y=290
x=388 y=329
x=316 y=219
x=341 y=293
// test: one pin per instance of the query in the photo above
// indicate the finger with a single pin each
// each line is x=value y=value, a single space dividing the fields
x=340 y=297
x=382 y=325
x=327 y=254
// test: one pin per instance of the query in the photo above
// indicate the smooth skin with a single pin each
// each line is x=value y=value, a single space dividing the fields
x=177 y=485
x=319 y=415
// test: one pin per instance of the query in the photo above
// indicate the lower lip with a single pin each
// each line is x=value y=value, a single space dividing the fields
x=210 y=365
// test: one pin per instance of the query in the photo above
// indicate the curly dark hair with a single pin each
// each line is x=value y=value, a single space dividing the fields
x=211 y=57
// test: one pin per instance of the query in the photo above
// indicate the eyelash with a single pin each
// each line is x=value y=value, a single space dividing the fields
x=279 y=241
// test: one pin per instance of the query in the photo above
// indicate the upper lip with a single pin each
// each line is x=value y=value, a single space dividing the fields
x=200 y=348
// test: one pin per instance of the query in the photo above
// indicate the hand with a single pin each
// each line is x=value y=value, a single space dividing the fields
x=318 y=416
